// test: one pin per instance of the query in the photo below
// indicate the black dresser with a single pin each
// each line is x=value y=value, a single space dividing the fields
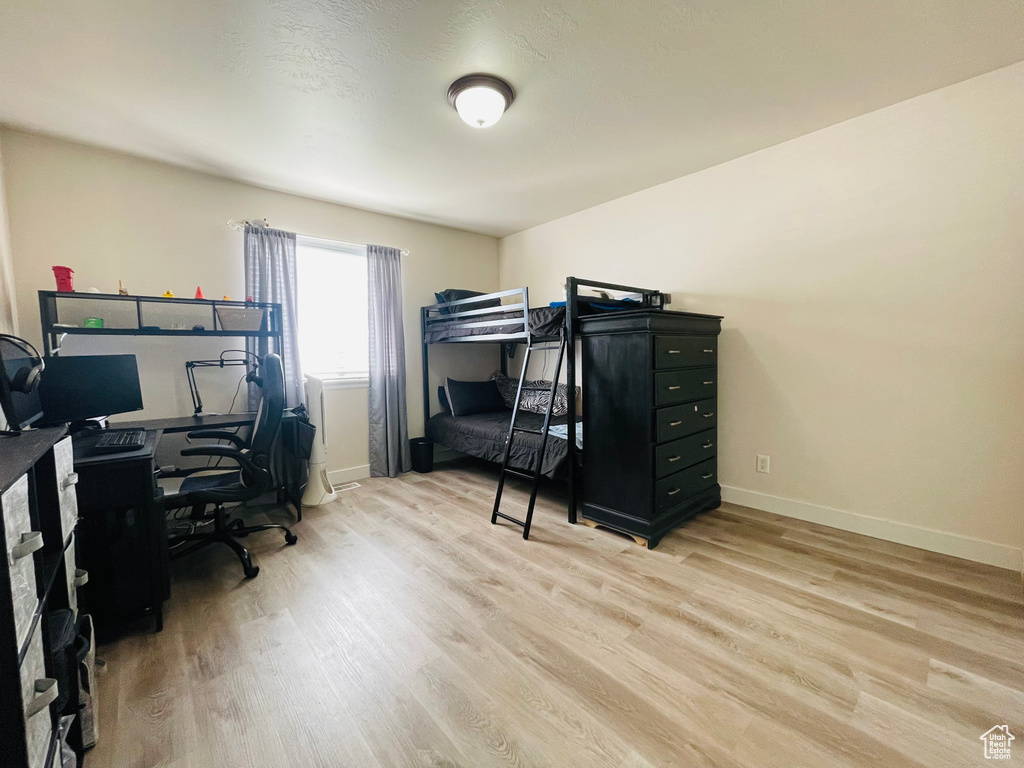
x=650 y=411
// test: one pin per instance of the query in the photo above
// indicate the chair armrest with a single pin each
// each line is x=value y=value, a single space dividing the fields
x=217 y=434
x=223 y=452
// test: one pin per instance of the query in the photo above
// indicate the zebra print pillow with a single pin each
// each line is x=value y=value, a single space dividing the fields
x=535 y=401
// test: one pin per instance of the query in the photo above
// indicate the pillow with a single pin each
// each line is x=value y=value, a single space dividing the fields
x=468 y=397
x=507 y=387
x=534 y=401
x=454 y=294
x=442 y=398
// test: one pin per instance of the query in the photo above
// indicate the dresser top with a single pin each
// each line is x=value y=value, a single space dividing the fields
x=652 y=321
x=19 y=453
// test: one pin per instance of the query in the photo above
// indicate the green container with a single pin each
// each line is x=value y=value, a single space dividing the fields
x=93 y=322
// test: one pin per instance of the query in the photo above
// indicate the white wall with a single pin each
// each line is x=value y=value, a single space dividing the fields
x=8 y=314
x=111 y=216
x=871 y=276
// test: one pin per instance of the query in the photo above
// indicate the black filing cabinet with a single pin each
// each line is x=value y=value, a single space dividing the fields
x=650 y=414
x=122 y=535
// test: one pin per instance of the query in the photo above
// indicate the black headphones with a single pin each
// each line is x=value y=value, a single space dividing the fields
x=26 y=378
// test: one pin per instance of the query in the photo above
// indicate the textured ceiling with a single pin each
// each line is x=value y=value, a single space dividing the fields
x=346 y=101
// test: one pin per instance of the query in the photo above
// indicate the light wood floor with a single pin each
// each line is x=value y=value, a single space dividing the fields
x=404 y=630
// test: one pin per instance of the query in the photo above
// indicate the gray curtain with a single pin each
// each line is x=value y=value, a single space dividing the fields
x=389 y=420
x=270 y=276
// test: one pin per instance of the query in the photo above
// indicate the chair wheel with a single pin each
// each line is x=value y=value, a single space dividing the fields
x=252 y=571
x=290 y=538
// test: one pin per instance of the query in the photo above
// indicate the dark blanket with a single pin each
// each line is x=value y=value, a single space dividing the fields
x=483 y=435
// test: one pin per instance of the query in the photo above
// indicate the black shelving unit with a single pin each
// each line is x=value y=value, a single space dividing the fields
x=50 y=317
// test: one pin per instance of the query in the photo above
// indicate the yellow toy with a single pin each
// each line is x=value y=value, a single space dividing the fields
x=168 y=294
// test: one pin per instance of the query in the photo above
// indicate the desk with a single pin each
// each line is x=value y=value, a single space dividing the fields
x=291 y=466
x=122 y=534
x=189 y=423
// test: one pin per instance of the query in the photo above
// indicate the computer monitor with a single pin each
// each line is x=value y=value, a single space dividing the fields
x=20 y=408
x=89 y=386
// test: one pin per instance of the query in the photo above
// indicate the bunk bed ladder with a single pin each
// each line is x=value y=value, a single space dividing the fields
x=513 y=430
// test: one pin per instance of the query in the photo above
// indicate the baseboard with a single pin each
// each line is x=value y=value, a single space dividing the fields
x=339 y=476
x=968 y=548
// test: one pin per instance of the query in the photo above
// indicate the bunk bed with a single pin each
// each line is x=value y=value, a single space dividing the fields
x=506 y=318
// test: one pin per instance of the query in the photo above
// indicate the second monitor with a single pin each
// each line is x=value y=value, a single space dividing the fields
x=89 y=386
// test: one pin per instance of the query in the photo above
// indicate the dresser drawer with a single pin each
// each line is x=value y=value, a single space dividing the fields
x=675 y=488
x=671 y=457
x=22 y=541
x=681 y=420
x=67 y=482
x=37 y=691
x=685 y=386
x=685 y=351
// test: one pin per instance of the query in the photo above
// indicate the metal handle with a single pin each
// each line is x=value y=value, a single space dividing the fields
x=674 y=458
x=674 y=386
x=709 y=415
x=673 y=492
x=708 y=444
x=674 y=423
x=46 y=687
x=81 y=577
x=708 y=476
x=68 y=481
x=672 y=352
x=708 y=351
x=707 y=382
x=30 y=542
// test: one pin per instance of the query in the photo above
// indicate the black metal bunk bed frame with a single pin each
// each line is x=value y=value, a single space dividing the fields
x=519 y=333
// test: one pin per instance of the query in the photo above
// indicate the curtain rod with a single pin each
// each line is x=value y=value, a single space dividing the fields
x=262 y=224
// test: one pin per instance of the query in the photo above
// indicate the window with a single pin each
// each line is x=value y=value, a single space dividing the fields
x=332 y=309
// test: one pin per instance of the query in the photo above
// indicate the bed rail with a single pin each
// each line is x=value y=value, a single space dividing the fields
x=514 y=329
x=442 y=316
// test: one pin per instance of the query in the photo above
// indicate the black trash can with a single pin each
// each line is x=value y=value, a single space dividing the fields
x=422 y=449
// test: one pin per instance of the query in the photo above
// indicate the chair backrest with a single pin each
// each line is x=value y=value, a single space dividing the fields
x=270 y=411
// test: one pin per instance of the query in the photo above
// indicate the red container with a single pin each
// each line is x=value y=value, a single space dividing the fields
x=64 y=280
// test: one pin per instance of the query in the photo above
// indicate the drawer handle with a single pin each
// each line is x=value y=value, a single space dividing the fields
x=708 y=444
x=675 y=423
x=70 y=480
x=708 y=476
x=674 y=386
x=709 y=414
x=673 y=492
x=81 y=577
x=706 y=383
x=30 y=542
x=672 y=352
x=46 y=688
x=708 y=351
x=674 y=458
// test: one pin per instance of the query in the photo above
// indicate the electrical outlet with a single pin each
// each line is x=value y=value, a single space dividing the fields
x=763 y=463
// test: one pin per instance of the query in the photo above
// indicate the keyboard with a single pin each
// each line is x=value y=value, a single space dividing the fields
x=117 y=440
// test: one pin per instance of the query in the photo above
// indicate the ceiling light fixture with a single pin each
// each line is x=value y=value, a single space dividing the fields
x=479 y=99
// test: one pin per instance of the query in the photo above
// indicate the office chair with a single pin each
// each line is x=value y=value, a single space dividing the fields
x=252 y=478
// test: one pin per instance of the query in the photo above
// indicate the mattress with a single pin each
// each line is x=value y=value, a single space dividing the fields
x=545 y=323
x=483 y=435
